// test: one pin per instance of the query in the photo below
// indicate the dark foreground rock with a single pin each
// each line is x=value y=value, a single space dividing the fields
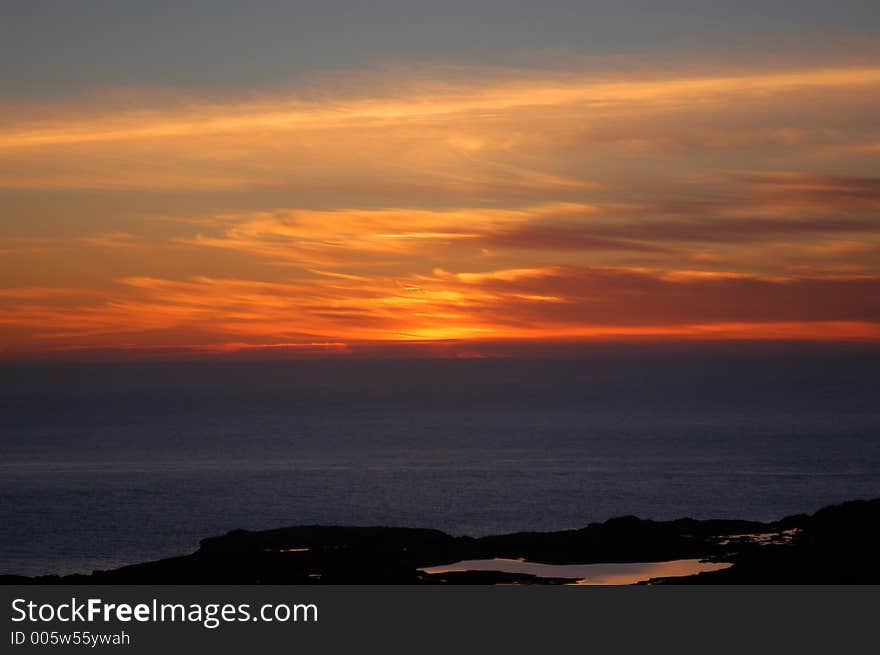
x=836 y=545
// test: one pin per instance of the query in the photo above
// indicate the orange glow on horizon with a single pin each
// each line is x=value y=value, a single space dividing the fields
x=467 y=207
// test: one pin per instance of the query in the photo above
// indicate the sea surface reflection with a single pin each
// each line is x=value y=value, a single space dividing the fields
x=587 y=574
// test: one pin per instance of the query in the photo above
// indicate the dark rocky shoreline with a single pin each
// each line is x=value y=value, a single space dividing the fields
x=836 y=545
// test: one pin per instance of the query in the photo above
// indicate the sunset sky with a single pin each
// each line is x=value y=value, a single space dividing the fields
x=200 y=177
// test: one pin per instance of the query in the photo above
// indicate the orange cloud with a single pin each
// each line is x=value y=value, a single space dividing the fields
x=477 y=205
x=511 y=132
x=551 y=303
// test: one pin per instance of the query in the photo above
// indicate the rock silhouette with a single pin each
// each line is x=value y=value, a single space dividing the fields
x=836 y=545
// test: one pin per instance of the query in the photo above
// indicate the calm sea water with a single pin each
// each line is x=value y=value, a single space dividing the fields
x=107 y=464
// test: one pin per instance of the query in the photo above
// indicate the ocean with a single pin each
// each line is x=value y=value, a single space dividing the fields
x=107 y=464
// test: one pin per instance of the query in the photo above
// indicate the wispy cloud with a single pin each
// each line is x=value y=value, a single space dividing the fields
x=451 y=204
x=560 y=302
x=501 y=133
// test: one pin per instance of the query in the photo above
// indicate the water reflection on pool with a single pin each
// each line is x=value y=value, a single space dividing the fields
x=587 y=574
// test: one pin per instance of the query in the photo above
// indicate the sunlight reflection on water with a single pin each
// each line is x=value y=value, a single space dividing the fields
x=587 y=574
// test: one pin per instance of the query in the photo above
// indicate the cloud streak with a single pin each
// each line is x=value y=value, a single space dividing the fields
x=500 y=133
x=545 y=303
x=452 y=205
